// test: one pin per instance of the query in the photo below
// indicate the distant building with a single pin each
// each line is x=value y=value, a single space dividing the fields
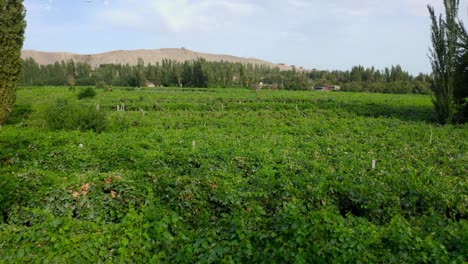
x=262 y=85
x=327 y=88
x=149 y=84
x=333 y=87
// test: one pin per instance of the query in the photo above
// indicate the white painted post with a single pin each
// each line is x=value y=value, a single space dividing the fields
x=143 y=112
x=373 y=164
x=430 y=140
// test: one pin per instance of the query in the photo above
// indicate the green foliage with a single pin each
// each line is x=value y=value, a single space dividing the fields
x=442 y=59
x=461 y=73
x=19 y=113
x=12 y=28
x=101 y=85
x=231 y=175
x=88 y=92
x=448 y=61
x=71 y=115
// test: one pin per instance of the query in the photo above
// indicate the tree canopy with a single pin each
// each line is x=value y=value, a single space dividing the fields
x=449 y=63
x=12 y=28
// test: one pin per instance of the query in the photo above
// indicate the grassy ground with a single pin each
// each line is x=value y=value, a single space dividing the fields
x=231 y=175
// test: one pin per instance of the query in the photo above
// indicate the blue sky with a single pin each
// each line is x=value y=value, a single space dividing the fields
x=321 y=34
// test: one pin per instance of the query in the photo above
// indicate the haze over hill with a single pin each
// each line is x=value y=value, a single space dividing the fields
x=149 y=56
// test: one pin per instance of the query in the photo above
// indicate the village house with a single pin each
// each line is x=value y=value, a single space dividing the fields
x=149 y=84
x=327 y=88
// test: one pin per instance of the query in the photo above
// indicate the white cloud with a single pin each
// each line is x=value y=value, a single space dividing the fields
x=211 y=16
x=179 y=15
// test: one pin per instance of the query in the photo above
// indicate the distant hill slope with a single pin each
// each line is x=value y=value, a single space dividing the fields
x=131 y=57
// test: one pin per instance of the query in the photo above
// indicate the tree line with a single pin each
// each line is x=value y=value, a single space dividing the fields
x=361 y=79
x=201 y=73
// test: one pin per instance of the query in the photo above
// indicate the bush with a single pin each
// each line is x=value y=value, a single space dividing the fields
x=100 y=85
x=20 y=113
x=69 y=115
x=352 y=87
x=86 y=93
x=22 y=189
x=8 y=186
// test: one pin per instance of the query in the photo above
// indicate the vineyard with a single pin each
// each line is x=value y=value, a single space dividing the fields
x=207 y=175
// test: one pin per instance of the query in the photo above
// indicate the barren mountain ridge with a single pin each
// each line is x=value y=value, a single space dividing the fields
x=149 y=56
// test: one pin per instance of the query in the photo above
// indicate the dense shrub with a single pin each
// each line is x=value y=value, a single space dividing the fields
x=100 y=85
x=8 y=186
x=19 y=113
x=86 y=93
x=70 y=115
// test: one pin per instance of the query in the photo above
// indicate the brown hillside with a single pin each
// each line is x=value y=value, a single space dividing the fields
x=131 y=57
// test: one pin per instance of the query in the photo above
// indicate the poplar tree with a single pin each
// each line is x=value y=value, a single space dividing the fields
x=461 y=81
x=12 y=27
x=444 y=36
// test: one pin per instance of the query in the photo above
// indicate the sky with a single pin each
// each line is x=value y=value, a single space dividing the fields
x=314 y=34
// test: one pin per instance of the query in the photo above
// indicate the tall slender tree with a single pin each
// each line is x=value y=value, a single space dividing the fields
x=444 y=38
x=12 y=27
x=461 y=81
